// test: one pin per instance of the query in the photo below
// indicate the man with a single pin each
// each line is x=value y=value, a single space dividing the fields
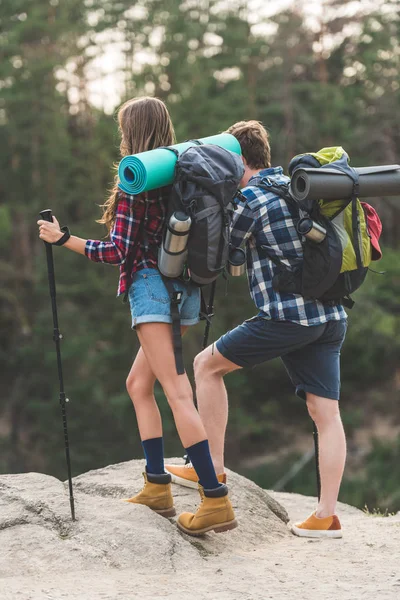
x=305 y=333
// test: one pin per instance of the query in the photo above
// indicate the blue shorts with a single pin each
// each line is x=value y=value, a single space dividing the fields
x=311 y=355
x=150 y=301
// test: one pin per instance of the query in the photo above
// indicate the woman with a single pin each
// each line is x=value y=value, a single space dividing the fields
x=135 y=224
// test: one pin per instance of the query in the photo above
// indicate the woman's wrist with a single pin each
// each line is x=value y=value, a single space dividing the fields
x=76 y=244
x=64 y=237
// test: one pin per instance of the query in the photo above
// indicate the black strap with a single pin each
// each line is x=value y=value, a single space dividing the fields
x=224 y=233
x=280 y=189
x=356 y=227
x=377 y=272
x=176 y=298
x=204 y=316
x=283 y=191
x=174 y=150
x=197 y=142
x=272 y=258
x=348 y=302
x=340 y=210
x=316 y=453
x=207 y=312
x=64 y=238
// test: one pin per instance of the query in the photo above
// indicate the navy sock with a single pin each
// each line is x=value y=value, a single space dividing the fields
x=200 y=458
x=154 y=454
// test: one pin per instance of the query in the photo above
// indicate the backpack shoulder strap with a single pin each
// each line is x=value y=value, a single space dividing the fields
x=283 y=191
x=280 y=189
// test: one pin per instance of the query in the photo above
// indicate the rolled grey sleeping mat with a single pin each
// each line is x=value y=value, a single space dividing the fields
x=331 y=184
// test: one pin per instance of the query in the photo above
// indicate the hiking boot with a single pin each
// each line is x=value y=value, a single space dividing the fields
x=186 y=475
x=215 y=513
x=314 y=527
x=156 y=494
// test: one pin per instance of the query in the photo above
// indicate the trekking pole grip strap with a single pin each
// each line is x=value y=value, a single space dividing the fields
x=64 y=238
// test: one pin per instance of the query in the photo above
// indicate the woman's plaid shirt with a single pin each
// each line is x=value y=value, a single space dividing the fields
x=142 y=215
x=264 y=219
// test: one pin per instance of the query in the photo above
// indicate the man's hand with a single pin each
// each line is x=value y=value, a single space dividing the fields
x=50 y=232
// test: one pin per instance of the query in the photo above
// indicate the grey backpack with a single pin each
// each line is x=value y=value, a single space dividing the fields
x=205 y=187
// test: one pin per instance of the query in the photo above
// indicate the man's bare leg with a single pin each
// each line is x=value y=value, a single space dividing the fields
x=210 y=367
x=332 y=450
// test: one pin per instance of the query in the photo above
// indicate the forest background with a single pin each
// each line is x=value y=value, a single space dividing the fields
x=316 y=74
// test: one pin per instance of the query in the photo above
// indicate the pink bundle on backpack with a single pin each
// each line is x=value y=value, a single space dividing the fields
x=374 y=226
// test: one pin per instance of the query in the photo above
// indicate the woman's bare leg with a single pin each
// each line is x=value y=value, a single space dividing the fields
x=156 y=342
x=140 y=386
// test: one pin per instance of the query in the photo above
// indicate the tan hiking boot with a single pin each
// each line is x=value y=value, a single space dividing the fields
x=156 y=494
x=215 y=513
x=186 y=475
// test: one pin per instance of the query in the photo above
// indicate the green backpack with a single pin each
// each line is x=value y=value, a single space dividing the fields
x=336 y=265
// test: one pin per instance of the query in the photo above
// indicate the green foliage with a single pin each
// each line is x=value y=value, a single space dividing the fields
x=376 y=317
x=213 y=63
x=375 y=484
x=5 y=226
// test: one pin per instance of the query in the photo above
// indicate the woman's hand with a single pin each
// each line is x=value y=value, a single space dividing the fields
x=50 y=232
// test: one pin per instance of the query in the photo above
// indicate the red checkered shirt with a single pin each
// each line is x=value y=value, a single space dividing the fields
x=142 y=215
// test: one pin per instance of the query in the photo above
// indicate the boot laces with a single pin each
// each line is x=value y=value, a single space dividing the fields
x=202 y=495
x=145 y=482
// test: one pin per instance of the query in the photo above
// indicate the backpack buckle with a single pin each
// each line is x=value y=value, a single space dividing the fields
x=267 y=181
x=239 y=195
x=176 y=298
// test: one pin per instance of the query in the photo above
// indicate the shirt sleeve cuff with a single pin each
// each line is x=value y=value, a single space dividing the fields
x=90 y=250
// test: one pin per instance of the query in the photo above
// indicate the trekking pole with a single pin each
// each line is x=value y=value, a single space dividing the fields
x=210 y=314
x=316 y=446
x=57 y=337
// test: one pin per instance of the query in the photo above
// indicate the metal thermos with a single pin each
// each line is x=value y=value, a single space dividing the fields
x=237 y=262
x=311 y=230
x=172 y=254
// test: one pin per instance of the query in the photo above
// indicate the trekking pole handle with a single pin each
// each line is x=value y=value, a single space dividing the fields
x=46 y=215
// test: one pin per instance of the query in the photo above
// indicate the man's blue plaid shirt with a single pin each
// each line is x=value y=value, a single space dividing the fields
x=264 y=219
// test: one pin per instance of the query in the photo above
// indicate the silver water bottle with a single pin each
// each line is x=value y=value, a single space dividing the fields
x=237 y=262
x=172 y=254
x=311 y=230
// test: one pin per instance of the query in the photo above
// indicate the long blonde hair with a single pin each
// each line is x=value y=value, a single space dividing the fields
x=144 y=124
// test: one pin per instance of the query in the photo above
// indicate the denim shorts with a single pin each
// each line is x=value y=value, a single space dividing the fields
x=311 y=355
x=150 y=301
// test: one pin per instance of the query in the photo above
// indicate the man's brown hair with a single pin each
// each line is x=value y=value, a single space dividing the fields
x=254 y=141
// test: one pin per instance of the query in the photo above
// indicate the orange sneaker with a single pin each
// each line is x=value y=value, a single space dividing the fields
x=186 y=475
x=314 y=527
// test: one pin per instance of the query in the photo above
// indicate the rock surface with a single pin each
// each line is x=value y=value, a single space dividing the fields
x=115 y=550
x=37 y=532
